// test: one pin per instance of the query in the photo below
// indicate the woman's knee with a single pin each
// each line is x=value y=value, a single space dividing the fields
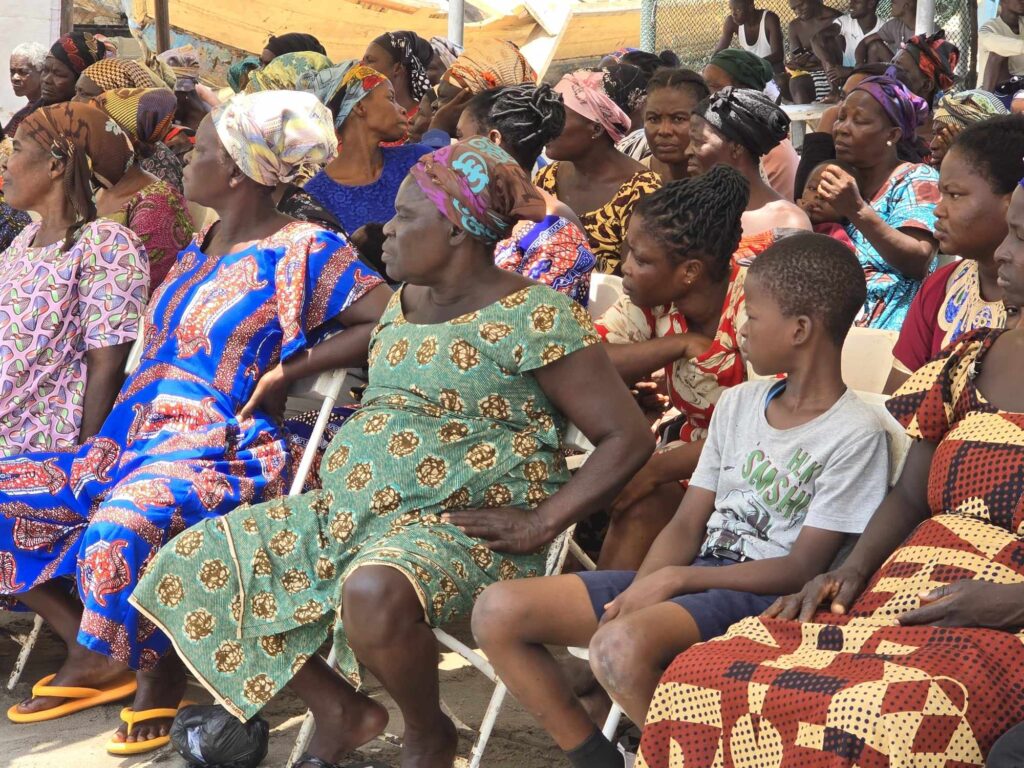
x=378 y=605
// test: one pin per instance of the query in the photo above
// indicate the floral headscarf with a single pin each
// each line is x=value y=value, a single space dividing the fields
x=967 y=107
x=477 y=186
x=91 y=144
x=414 y=53
x=283 y=73
x=584 y=92
x=353 y=80
x=490 y=64
x=109 y=74
x=273 y=134
x=145 y=114
x=78 y=50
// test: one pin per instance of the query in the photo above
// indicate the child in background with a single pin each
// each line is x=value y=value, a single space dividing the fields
x=790 y=469
x=823 y=216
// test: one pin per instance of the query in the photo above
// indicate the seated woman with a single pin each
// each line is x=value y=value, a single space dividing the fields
x=192 y=433
x=76 y=286
x=890 y=204
x=359 y=186
x=682 y=316
x=979 y=174
x=71 y=55
x=737 y=127
x=954 y=113
x=672 y=97
x=402 y=57
x=449 y=478
x=110 y=75
x=589 y=174
x=635 y=145
x=151 y=208
x=741 y=69
x=928 y=65
x=554 y=251
x=909 y=653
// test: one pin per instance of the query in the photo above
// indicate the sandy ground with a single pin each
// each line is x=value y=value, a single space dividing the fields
x=79 y=740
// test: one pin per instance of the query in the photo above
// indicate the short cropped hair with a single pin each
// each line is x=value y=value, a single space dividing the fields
x=813 y=275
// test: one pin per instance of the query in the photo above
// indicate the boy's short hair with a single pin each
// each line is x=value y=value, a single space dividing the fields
x=813 y=275
x=838 y=163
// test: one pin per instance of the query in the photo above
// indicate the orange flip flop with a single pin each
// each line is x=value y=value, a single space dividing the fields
x=132 y=718
x=78 y=699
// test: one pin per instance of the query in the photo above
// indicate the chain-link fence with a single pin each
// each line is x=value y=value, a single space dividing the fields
x=692 y=28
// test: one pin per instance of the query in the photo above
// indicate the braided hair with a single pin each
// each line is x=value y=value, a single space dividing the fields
x=650 y=63
x=528 y=117
x=699 y=217
x=995 y=148
x=680 y=79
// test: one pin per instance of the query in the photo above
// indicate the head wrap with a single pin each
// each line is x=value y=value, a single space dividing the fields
x=904 y=109
x=239 y=69
x=109 y=74
x=477 y=186
x=414 y=53
x=936 y=57
x=283 y=73
x=294 y=42
x=967 y=107
x=617 y=54
x=584 y=93
x=746 y=69
x=626 y=84
x=351 y=78
x=91 y=145
x=490 y=64
x=145 y=114
x=78 y=50
x=183 y=64
x=446 y=50
x=747 y=117
x=270 y=135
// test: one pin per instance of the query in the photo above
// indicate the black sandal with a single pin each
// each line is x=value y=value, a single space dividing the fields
x=317 y=762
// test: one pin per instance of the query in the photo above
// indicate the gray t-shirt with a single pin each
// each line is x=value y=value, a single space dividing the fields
x=830 y=473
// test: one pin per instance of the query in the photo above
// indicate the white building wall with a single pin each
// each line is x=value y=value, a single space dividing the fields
x=23 y=21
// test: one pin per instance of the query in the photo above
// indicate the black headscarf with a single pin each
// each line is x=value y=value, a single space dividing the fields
x=746 y=117
x=78 y=50
x=294 y=42
x=414 y=53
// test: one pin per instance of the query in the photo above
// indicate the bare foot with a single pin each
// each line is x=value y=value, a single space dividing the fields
x=340 y=730
x=81 y=669
x=162 y=687
x=435 y=748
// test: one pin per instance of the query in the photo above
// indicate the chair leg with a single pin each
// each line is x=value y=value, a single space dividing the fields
x=487 y=726
x=304 y=737
x=581 y=556
x=26 y=649
x=612 y=723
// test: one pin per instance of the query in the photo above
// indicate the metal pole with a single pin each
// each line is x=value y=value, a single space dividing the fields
x=649 y=25
x=925 y=24
x=67 y=16
x=162 y=13
x=456 y=20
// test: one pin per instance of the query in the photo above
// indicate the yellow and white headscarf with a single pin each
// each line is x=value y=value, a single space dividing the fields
x=271 y=135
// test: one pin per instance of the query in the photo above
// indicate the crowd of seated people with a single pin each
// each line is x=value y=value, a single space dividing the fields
x=770 y=589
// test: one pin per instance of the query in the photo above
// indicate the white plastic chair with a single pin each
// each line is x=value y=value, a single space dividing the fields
x=605 y=290
x=867 y=359
x=556 y=559
x=324 y=388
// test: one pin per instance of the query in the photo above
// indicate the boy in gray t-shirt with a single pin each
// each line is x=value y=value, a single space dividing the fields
x=790 y=469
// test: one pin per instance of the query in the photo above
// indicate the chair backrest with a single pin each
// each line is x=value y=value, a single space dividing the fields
x=605 y=290
x=867 y=359
x=896 y=436
x=135 y=354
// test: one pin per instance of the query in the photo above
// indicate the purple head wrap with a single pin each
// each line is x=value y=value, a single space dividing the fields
x=904 y=109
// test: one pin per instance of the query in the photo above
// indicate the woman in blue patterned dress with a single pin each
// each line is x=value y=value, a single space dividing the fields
x=191 y=435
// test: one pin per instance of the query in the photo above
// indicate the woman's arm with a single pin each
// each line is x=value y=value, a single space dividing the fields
x=909 y=250
x=347 y=349
x=638 y=360
x=584 y=387
x=773 y=27
x=104 y=377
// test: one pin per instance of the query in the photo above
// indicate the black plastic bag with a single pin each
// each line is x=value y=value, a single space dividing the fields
x=208 y=736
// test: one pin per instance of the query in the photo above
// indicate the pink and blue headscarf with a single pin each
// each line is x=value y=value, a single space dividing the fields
x=478 y=187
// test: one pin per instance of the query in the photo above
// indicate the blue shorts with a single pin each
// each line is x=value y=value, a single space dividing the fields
x=713 y=611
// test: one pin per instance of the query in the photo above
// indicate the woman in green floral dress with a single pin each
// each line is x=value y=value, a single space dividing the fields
x=449 y=478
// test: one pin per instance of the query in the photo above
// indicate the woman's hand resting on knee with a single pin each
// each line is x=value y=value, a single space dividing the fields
x=841 y=586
